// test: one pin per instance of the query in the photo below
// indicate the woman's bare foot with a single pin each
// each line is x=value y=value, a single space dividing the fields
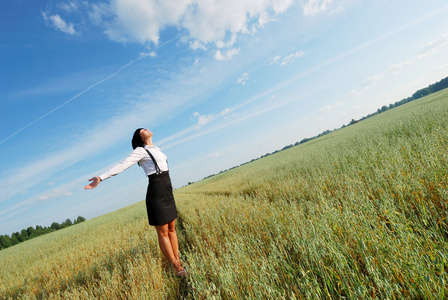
x=180 y=271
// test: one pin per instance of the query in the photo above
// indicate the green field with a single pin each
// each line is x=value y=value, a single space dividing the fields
x=358 y=213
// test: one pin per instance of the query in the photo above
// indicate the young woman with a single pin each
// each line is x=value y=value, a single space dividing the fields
x=160 y=203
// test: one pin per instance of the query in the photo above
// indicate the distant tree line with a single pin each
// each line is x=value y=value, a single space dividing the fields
x=438 y=86
x=29 y=233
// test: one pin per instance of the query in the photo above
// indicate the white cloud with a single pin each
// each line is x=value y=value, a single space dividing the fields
x=98 y=12
x=291 y=58
x=69 y=7
x=281 y=6
x=205 y=119
x=327 y=108
x=337 y=10
x=201 y=22
x=243 y=78
x=225 y=112
x=72 y=6
x=141 y=21
x=57 y=22
x=366 y=84
x=276 y=60
x=435 y=45
x=396 y=68
x=314 y=7
x=197 y=45
x=151 y=54
x=204 y=21
x=263 y=19
x=287 y=59
x=227 y=55
x=54 y=194
x=229 y=43
x=185 y=134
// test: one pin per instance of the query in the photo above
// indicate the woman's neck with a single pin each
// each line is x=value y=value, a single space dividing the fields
x=148 y=142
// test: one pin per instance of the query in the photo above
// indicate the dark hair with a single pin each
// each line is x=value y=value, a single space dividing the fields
x=137 y=139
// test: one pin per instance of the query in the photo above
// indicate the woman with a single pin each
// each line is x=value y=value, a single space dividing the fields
x=160 y=203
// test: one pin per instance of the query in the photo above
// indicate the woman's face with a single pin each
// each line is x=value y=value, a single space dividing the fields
x=145 y=134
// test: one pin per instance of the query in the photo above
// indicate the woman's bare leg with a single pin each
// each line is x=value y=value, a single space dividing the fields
x=168 y=243
x=173 y=239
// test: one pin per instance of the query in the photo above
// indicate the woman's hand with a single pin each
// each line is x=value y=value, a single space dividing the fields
x=95 y=181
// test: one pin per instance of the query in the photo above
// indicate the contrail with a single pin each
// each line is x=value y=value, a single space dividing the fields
x=86 y=90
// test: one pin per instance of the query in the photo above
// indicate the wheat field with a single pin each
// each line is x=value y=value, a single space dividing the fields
x=114 y=256
x=360 y=213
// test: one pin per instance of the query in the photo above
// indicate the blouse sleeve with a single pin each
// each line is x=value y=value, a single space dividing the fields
x=133 y=158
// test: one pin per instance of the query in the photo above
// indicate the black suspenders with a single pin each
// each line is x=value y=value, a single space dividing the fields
x=154 y=161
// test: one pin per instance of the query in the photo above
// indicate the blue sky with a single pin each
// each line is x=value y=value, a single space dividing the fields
x=219 y=83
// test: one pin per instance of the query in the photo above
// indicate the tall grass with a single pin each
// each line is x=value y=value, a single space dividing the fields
x=114 y=256
x=360 y=213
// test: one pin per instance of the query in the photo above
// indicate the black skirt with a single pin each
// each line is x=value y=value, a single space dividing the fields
x=160 y=203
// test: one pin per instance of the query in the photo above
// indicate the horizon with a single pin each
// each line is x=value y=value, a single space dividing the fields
x=218 y=85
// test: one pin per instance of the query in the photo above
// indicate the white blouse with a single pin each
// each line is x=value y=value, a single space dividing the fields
x=141 y=156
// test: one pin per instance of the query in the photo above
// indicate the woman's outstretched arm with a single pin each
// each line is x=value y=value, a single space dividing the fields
x=95 y=181
x=133 y=158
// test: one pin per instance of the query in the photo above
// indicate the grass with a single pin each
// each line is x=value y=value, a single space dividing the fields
x=359 y=213
x=114 y=256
